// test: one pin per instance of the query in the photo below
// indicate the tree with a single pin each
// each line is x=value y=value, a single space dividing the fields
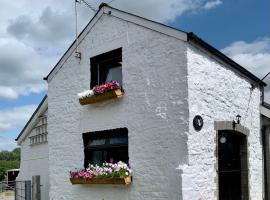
x=9 y=160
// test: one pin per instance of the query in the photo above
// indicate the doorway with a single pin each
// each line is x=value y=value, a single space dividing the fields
x=232 y=166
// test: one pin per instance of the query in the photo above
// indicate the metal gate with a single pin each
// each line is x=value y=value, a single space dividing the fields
x=23 y=190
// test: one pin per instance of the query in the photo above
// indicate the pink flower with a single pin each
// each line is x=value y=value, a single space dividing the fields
x=99 y=89
x=119 y=169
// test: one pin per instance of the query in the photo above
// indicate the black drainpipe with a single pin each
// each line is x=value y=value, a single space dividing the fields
x=264 y=162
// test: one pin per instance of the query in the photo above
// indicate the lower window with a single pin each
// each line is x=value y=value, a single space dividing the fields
x=105 y=146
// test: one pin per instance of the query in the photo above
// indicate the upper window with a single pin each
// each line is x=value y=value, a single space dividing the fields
x=106 y=146
x=106 y=67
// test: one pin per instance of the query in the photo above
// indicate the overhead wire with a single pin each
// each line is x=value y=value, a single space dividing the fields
x=89 y=6
x=76 y=16
x=76 y=24
x=111 y=1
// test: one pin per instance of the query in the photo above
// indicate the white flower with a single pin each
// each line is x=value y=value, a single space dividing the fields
x=126 y=173
x=87 y=93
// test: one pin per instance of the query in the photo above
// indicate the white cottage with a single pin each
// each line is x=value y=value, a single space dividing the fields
x=33 y=140
x=177 y=122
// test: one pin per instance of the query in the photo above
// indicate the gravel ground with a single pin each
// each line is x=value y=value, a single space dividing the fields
x=7 y=196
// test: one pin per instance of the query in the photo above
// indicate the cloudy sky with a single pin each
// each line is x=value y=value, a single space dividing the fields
x=34 y=35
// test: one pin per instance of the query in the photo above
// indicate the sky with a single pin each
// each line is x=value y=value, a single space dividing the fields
x=35 y=34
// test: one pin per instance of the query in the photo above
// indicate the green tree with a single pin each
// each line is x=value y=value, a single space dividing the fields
x=9 y=160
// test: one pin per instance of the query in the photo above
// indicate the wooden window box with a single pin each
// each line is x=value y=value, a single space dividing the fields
x=101 y=97
x=112 y=181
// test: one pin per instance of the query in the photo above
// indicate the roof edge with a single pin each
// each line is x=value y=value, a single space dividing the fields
x=194 y=38
x=106 y=9
x=73 y=43
x=31 y=118
x=266 y=105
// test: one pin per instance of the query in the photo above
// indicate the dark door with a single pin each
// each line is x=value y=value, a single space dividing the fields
x=232 y=164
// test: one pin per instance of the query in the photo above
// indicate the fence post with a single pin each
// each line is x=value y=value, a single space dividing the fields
x=36 y=188
x=15 y=190
x=27 y=190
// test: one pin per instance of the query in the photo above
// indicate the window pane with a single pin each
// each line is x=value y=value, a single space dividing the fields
x=96 y=142
x=102 y=64
x=115 y=74
x=117 y=154
x=97 y=157
x=108 y=145
x=119 y=140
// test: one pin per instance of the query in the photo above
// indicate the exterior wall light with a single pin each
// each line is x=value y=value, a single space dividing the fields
x=238 y=119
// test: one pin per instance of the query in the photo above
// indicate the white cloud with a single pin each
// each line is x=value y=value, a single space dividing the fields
x=255 y=56
x=22 y=69
x=33 y=36
x=7 y=144
x=212 y=4
x=8 y=93
x=13 y=118
x=52 y=29
x=164 y=11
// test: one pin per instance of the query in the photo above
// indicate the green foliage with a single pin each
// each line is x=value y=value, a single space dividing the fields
x=9 y=160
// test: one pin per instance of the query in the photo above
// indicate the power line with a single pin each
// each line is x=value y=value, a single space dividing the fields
x=265 y=76
x=89 y=6
x=111 y=1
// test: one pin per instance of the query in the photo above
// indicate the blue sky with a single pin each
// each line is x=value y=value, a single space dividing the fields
x=239 y=28
x=232 y=21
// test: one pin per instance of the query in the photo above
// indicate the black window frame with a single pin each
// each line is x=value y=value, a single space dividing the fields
x=107 y=135
x=113 y=55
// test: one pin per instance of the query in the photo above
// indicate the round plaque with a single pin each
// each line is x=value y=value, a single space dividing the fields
x=198 y=122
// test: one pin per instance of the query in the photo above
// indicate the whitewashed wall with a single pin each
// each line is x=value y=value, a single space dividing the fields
x=35 y=161
x=154 y=109
x=218 y=94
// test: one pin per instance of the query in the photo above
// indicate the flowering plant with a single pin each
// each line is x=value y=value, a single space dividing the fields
x=100 y=89
x=107 y=170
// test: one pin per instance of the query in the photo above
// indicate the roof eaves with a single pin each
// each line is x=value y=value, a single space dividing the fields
x=149 y=20
x=39 y=106
x=195 y=39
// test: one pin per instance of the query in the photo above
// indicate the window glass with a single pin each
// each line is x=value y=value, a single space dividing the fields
x=96 y=142
x=114 y=74
x=119 y=140
x=112 y=146
x=110 y=71
x=97 y=157
x=106 y=67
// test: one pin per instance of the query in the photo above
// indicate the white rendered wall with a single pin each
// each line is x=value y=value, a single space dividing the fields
x=218 y=94
x=35 y=161
x=154 y=109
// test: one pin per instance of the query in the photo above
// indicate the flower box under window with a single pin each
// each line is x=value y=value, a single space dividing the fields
x=101 y=92
x=101 y=97
x=107 y=173
x=119 y=181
